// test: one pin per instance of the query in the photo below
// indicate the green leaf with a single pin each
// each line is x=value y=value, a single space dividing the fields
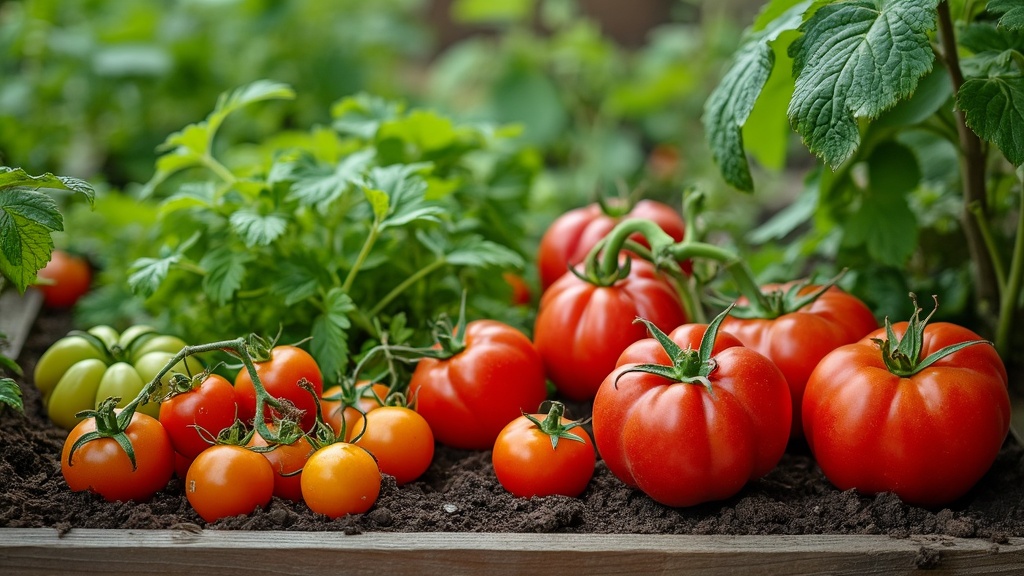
x=243 y=96
x=257 y=229
x=297 y=279
x=766 y=132
x=406 y=191
x=730 y=104
x=492 y=11
x=190 y=195
x=476 y=252
x=18 y=178
x=10 y=394
x=363 y=114
x=320 y=187
x=330 y=333
x=1012 y=13
x=146 y=274
x=933 y=92
x=425 y=129
x=225 y=270
x=27 y=218
x=994 y=109
x=855 y=60
x=993 y=49
x=379 y=201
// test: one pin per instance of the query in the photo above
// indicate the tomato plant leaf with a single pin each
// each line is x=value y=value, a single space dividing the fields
x=18 y=178
x=319 y=186
x=225 y=270
x=730 y=104
x=27 y=218
x=330 y=333
x=10 y=394
x=855 y=60
x=243 y=96
x=257 y=229
x=362 y=115
x=406 y=193
x=189 y=195
x=146 y=274
x=476 y=252
x=425 y=129
x=297 y=280
x=994 y=109
x=1012 y=13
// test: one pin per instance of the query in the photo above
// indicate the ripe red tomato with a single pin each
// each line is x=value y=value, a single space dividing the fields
x=103 y=467
x=400 y=439
x=340 y=479
x=337 y=412
x=210 y=405
x=70 y=276
x=527 y=464
x=796 y=341
x=287 y=461
x=280 y=375
x=521 y=295
x=568 y=239
x=581 y=328
x=684 y=443
x=468 y=398
x=928 y=436
x=227 y=480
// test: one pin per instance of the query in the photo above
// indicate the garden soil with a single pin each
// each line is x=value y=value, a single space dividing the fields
x=459 y=493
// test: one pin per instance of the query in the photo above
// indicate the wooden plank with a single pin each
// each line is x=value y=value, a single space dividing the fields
x=17 y=315
x=37 y=551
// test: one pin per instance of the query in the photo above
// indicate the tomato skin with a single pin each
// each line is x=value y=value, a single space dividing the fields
x=340 y=479
x=567 y=240
x=526 y=465
x=797 y=341
x=370 y=398
x=211 y=406
x=103 y=467
x=280 y=376
x=521 y=294
x=468 y=398
x=581 y=328
x=677 y=442
x=400 y=439
x=71 y=277
x=227 y=480
x=286 y=460
x=929 y=437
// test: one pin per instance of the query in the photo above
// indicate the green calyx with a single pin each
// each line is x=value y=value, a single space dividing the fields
x=902 y=356
x=688 y=366
x=779 y=302
x=552 y=424
x=109 y=424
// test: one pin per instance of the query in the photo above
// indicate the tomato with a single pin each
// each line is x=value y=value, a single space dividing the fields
x=227 y=480
x=103 y=467
x=567 y=240
x=287 y=461
x=280 y=375
x=581 y=328
x=340 y=479
x=521 y=295
x=928 y=434
x=543 y=455
x=80 y=370
x=210 y=406
x=719 y=421
x=367 y=397
x=797 y=340
x=69 y=278
x=400 y=439
x=469 y=397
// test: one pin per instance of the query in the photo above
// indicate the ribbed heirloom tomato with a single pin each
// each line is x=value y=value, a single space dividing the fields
x=690 y=417
x=908 y=409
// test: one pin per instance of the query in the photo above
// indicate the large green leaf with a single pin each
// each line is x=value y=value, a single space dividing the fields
x=225 y=270
x=855 y=60
x=330 y=333
x=1012 y=13
x=27 y=218
x=994 y=109
x=18 y=178
x=10 y=394
x=258 y=229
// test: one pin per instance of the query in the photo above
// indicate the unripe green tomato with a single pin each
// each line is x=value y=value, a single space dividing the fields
x=75 y=391
x=158 y=343
x=108 y=335
x=57 y=359
x=122 y=380
x=150 y=364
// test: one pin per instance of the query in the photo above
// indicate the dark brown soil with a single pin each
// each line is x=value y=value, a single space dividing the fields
x=460 y=493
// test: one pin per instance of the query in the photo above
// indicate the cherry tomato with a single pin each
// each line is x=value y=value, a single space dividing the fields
x=582 y=328
x=400 y=439
x=227 y=480
x=103 y=467
x=469 y=397
x=287 y=461
x=280 y=375
x=527 y=464
x=688 y=442
x=368 y=397
x=927 y=435
x=340 y=479
x=69 y=276
x=568 y=239
x=210 y=406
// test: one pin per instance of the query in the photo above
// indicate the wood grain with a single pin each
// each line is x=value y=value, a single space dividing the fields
x=17 y=315
x=41 y=551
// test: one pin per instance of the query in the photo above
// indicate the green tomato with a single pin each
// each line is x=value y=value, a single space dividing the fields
x=57 y=359
x=76 y=391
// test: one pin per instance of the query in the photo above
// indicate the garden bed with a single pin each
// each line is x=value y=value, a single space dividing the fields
x=458 y=518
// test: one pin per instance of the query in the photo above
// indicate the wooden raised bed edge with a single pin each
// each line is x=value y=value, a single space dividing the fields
x=37 y=551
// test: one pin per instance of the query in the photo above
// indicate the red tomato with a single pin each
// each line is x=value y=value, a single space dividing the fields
x=103 y=467
x=521 y=295
x=581 y=328
x=280 y=375
x=568 y=239
x=287 y=461
x=684 y=443
x=400 y=439
x=340 y=479
x=227 y=480
x=70 y=276
x=798 y=340
x=369 y=397
x=527 y=465
x=928 y=437
x=469 y=397
x=181 y=465
x=210 y=406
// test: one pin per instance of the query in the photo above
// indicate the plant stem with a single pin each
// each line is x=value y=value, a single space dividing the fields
x=364 y=252
x=219 y=169
x=1008 y=306
x=973 y=176
x=411 y=280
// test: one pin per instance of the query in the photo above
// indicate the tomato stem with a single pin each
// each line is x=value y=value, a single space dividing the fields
x=1011 y=293
x=552 y=424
